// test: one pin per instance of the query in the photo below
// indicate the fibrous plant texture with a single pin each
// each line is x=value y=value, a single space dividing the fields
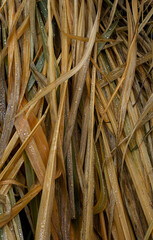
x=76 y=120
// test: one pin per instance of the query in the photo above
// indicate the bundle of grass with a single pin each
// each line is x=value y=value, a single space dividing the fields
x=76 y=119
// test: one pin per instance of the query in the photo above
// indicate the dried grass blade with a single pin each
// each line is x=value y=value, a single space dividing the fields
x=5 y=218
x=132 y=47
x=39 y=68
x=12 y=104
x=87 y=224
x=3 y=5
x=38 y=161
x=80 y=32
x=64 y=68
x=14 y=161
x=8 y=149
x=2 y=95
x=32 y=151
x=39 y=135
x=107 y=35
x=114 y=6
x=11 y=174
x=146 y=110
x=11 y=43
x=76 y=101
x=26 y=58
x=40 y=138
x=118 y=71
x=2 y=90
x=9 y=234
x=130 y=71
x=67 y=75
x=102 y=201
x=45 y=210
x=16 y=221
x=149 y=231
x=32 y=6
x=16 y=18
x=115 y=188
x=30 y=179
x=51 y=70
x=83 y=141
x=12 y=181
x=15 y=158
x=46 y=206
x=149 y=15
x=20 y=32
x=43 y=34
x=75 y=22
